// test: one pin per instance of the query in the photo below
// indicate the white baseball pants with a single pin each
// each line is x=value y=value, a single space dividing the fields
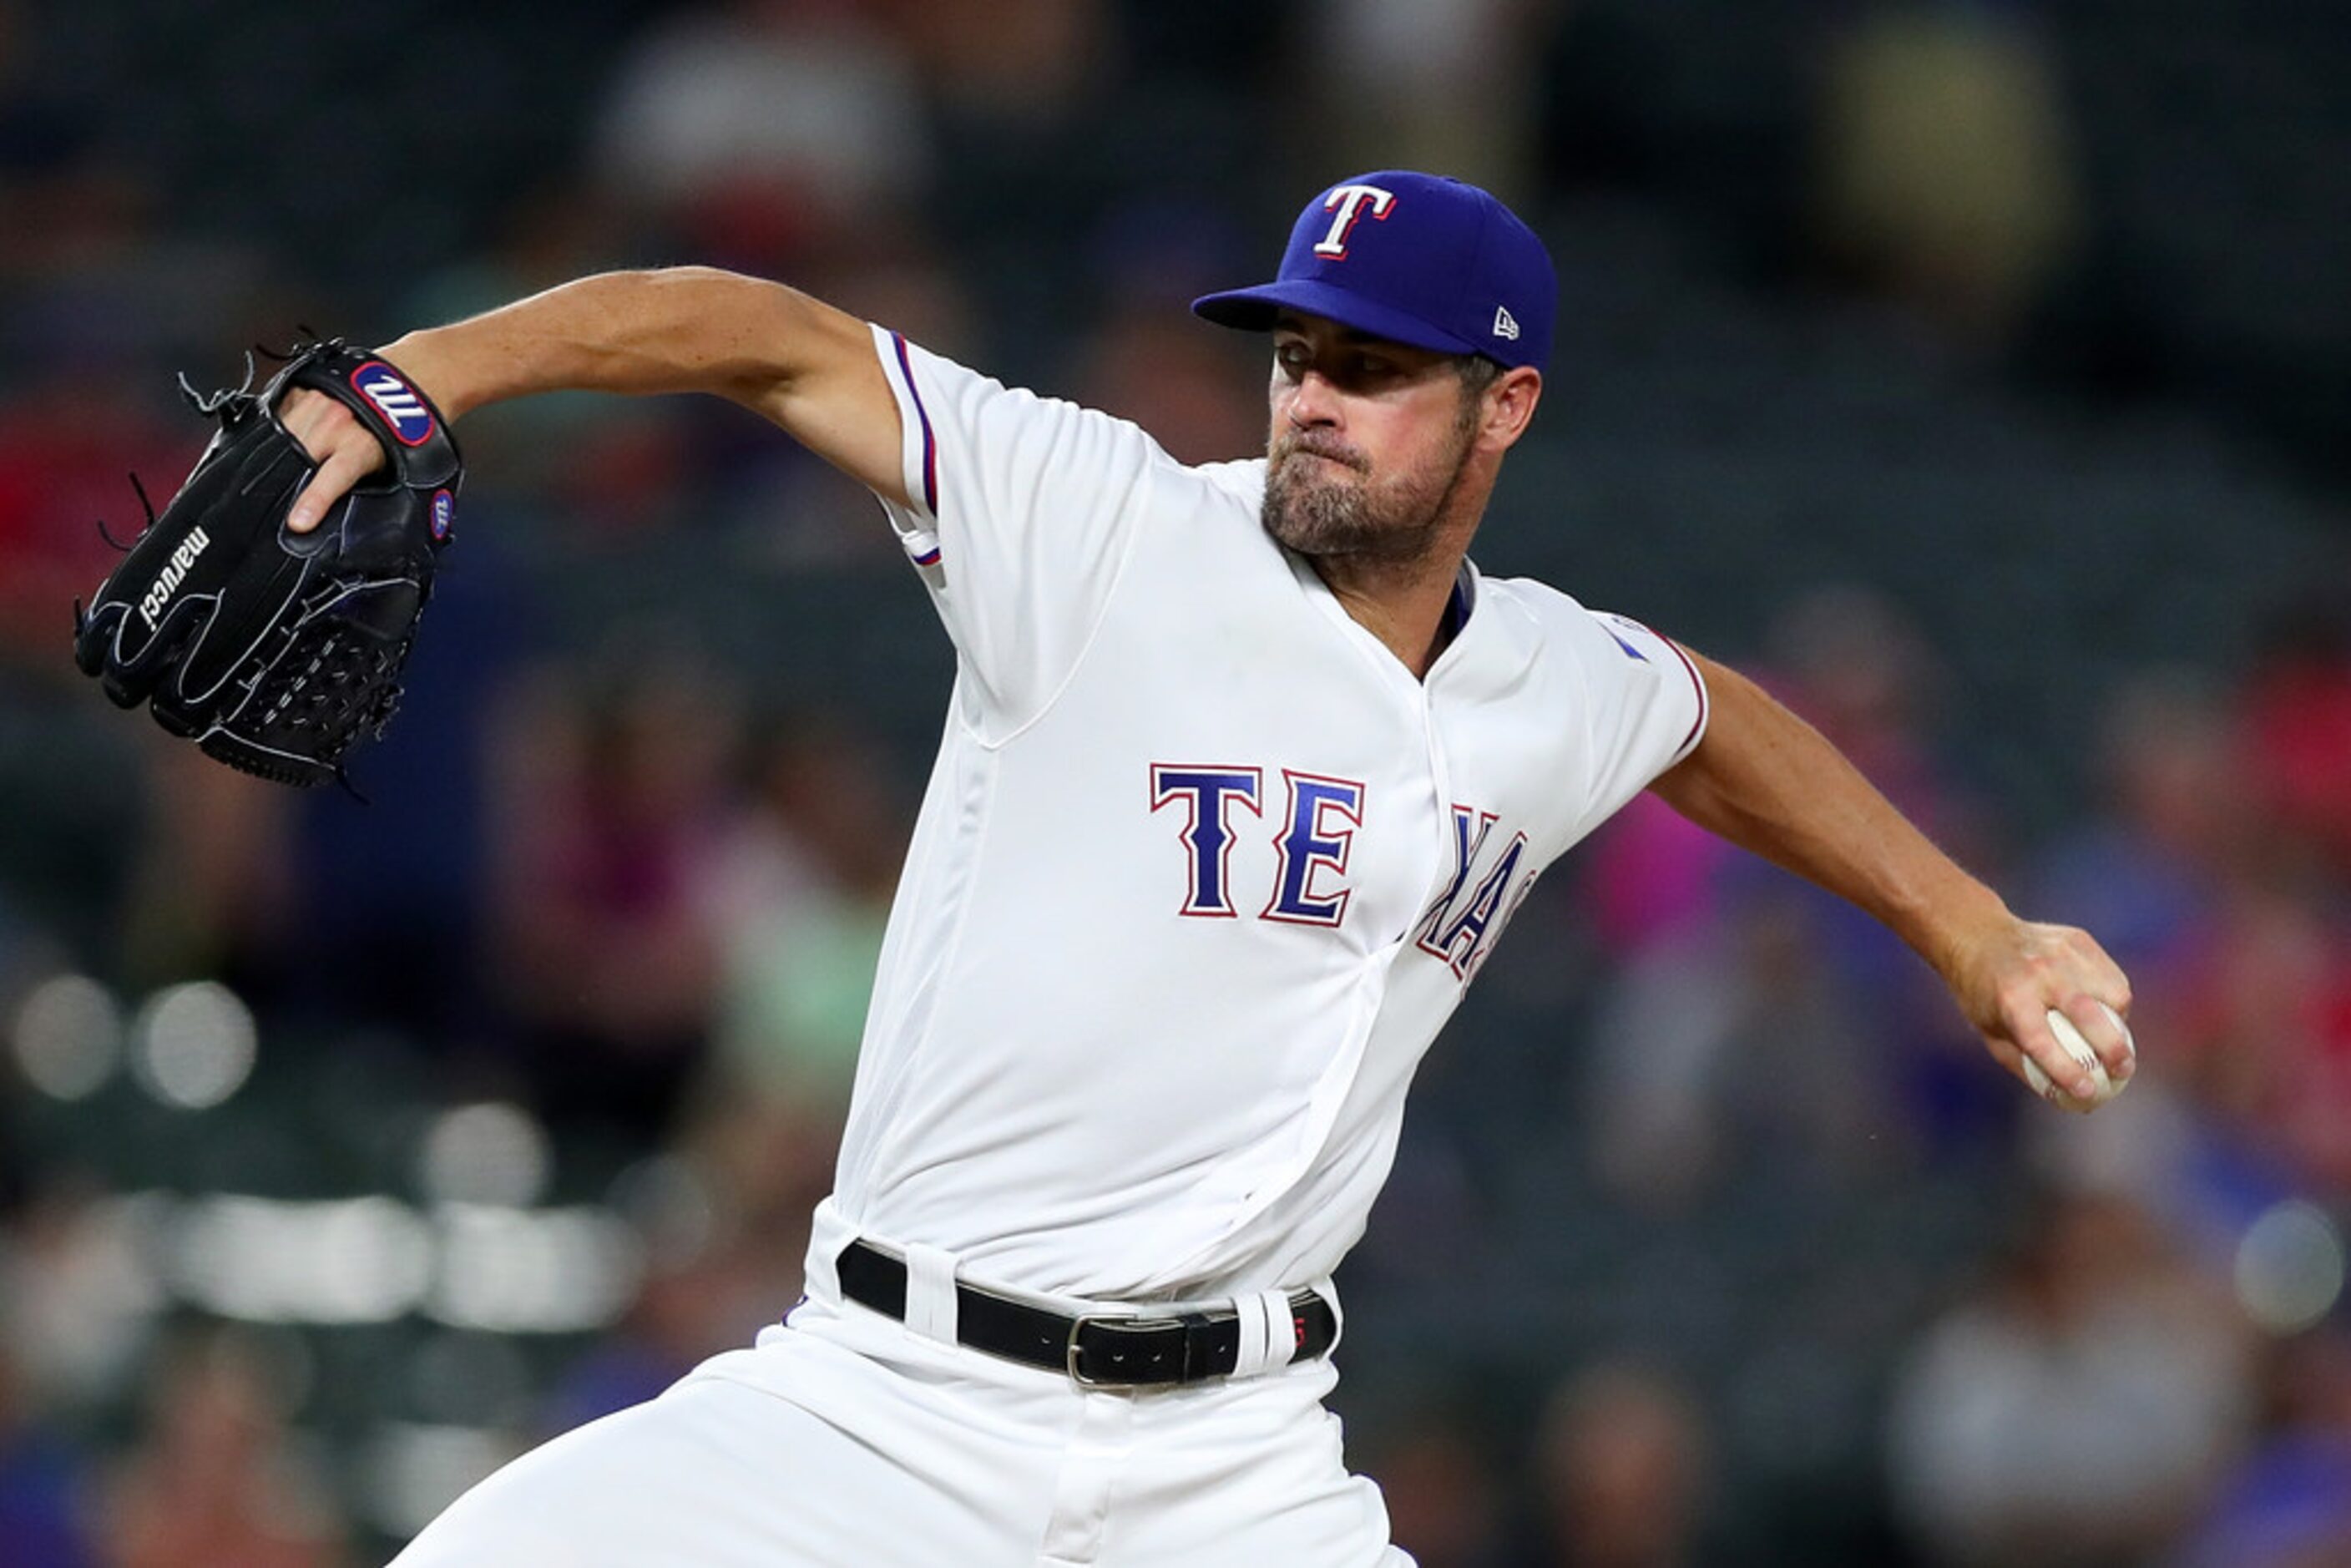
x=848 y=1440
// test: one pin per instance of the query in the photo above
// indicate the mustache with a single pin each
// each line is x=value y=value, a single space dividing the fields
x=1314 y=445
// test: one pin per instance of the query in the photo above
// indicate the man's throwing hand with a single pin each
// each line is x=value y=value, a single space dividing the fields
x=2010 y=977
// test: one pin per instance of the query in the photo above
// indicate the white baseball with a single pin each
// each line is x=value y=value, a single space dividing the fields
x=2102 y=1088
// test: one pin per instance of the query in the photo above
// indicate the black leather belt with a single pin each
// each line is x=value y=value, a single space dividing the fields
x=1098 y=1351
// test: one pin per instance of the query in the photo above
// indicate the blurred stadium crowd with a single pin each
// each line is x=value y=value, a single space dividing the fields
x=1975 y=373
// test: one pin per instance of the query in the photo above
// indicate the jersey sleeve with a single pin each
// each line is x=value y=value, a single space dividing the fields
x=1646 y=706
x=1021 y=512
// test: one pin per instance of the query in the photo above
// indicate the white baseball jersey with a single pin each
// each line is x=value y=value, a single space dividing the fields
x=1201 y=871
x=1202 y=868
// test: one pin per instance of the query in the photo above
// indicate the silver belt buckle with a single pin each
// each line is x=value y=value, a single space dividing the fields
x=1069 y=1356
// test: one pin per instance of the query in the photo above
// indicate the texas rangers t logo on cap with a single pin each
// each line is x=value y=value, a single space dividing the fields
x=1450 y=269
x=1348 y=201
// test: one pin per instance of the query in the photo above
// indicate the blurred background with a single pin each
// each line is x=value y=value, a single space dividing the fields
x=1977 y=373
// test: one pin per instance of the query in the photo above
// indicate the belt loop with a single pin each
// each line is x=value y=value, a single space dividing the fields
x=1329 y=1294
x=930 y=1292
x=1267 y=1338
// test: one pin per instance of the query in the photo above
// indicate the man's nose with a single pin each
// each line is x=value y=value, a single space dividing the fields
x=1313 y=401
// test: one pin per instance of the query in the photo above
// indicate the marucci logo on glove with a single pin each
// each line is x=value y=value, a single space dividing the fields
x=403 y=409
x=175 y=572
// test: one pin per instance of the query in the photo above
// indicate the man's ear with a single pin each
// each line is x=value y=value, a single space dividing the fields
x=1510 y=406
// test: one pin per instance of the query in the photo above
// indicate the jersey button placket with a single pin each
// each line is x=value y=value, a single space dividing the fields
x=1440 y=783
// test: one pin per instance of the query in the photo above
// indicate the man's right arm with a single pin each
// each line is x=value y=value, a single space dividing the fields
x=794 y=359
x=1768 y=782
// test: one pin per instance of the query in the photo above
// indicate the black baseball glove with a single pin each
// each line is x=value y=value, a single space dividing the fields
x=274 y=651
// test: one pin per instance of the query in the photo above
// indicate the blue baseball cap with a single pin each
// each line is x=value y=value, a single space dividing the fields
x=1415 y=258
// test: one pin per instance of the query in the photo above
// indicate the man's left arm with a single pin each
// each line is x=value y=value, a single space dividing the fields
x=1769 y=783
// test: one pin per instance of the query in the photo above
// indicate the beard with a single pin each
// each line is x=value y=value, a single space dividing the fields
x=1316 y=511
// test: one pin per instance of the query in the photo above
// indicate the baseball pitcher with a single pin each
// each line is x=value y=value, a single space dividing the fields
x=1245 y=770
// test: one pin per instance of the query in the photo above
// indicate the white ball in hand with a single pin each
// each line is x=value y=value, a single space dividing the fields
x=2103 y=1087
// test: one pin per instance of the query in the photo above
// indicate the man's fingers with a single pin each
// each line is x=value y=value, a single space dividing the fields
x=2108 y=1035
x=2098 y=1008
x=343 y=449
x=346 y=466
x=2028 y=1027
x=2035 y=973
x=313 y=419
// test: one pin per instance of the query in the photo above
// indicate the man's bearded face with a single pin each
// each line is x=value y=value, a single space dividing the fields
x=1325 y=495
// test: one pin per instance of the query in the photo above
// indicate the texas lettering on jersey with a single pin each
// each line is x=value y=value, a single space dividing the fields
x=1284 y=900
x=1462 y=932
x=1312 y=844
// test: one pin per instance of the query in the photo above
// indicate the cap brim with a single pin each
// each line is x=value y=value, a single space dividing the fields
x=1254 y=310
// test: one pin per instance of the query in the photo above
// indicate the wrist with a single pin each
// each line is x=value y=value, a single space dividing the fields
x=1966 y=921
x=423 y=358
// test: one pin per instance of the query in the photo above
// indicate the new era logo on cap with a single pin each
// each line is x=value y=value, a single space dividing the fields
x=1439 y=265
